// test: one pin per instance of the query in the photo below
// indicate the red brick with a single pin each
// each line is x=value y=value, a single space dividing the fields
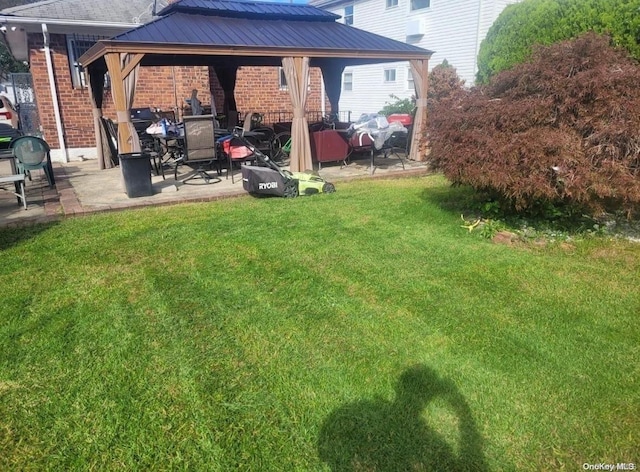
x=158 y=87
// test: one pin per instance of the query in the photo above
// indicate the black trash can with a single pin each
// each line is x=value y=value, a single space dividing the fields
x=136 y=172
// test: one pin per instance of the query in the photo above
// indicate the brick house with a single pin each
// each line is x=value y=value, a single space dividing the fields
x=51 y=35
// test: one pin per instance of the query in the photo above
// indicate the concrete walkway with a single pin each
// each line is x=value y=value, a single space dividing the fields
x=81 y=188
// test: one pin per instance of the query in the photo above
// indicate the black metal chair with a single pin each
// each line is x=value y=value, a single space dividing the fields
x=199 y=149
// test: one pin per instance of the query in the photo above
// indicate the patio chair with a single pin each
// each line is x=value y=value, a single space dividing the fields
x=199 y=148
x=169 y=115
x=396 y=145
x=33 y=153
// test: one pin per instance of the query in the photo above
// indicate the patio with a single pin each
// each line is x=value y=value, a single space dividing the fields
x=82 y=188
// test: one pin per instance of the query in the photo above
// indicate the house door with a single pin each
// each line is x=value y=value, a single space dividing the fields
x=25 y=101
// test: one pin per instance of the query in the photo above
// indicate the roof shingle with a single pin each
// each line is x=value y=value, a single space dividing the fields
x=130 y=12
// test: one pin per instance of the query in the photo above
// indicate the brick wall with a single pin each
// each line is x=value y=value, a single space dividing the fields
x=257 y=89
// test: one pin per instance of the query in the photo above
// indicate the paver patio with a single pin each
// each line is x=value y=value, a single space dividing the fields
x=81 y=188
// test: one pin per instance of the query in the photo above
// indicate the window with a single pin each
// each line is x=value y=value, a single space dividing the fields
x=282 y=82
x=77 y=45
x=389 y=75
x=420 y=4
x=392 y=3
x=410 y=84
x=347 y=81
x=348 y=15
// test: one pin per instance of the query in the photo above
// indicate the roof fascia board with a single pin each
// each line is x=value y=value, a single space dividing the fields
x=106 y=47
x=324 y=4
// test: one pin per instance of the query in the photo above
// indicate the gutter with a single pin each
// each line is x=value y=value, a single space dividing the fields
x=326 y=4
x=54 y=93
x=38 y=21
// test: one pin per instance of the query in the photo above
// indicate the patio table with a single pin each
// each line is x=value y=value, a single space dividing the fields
x=18 y=180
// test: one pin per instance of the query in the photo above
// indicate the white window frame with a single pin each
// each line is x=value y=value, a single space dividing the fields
x=348 y=17
x=390 y=75
x=391 y=3
x=347 y=85
x=412 y=4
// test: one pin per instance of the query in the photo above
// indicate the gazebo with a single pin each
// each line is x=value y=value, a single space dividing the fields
x=226 y=34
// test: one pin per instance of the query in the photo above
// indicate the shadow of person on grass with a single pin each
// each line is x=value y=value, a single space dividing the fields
x=382 y=435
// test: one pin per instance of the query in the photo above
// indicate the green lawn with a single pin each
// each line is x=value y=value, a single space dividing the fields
x=363 y=330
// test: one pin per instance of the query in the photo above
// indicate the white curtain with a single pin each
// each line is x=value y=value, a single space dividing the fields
x=296 y=71
x=420 y=73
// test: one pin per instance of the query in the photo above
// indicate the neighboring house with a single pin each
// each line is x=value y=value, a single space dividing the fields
x=51 y=35
x=453 y=30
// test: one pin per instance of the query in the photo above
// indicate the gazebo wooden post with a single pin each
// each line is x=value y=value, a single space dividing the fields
x=120 y=66
x=419 y=144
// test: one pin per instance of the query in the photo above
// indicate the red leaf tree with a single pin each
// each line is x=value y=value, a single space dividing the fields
x=562 y=128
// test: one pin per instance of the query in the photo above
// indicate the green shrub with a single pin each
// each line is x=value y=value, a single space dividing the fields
x=443 y=81
x=560 y=130
x=400 y=105
x=520 y=26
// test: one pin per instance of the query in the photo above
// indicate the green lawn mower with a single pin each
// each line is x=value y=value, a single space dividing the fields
x=268 y=178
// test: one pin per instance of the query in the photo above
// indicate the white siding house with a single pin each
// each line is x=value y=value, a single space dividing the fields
x=453 y=29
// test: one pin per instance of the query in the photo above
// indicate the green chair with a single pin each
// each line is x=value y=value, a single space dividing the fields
x=33 y=153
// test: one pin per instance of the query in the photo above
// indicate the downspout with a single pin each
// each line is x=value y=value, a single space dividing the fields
x=54 y=92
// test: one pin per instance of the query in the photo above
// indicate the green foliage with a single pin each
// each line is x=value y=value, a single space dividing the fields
x=511 y=38
x=400 y=105
x=8 y=63
x=443 y=82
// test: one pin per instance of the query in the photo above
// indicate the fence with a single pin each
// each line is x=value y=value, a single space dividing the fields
x=270 y=118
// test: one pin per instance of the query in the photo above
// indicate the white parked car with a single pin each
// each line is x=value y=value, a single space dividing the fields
x=8 y=114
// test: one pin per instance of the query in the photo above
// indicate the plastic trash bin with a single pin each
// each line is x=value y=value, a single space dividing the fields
x=136 y=172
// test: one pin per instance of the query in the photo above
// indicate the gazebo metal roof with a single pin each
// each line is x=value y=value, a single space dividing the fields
x=250 y=32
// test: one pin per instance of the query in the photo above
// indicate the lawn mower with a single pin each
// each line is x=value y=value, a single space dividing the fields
x=267 y=178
